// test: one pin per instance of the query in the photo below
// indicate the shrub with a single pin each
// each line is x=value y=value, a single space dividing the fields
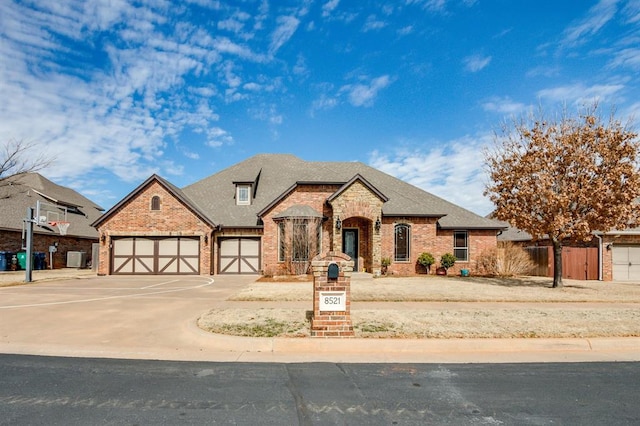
x=487 y=263
x=447 y=260
x=426 y=260
x=508 y=260
x=514 y=260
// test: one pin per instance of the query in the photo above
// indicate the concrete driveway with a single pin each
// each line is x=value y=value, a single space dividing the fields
x=155 y=318
x=130 y=317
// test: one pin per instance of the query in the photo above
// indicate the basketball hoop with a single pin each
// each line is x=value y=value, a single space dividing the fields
x=62 y=227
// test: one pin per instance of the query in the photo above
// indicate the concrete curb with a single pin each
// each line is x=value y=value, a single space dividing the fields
x=362 y=347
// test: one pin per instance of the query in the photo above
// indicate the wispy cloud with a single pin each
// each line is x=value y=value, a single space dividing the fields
x=373 y=23
x=475 y=63
x=363 y=94
x=405 y=30
x=430 y=5
x=504 y=105
x=287 y=26
x=324 y=102
x=451 y=171
x=629 y=58
x=328 y=7
x=217 y=137
x=597 y=17
x=120 y=117
x=579 y=94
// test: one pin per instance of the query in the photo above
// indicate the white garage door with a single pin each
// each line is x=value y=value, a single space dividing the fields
x=154 y=256
x=239 y=256
x=626 y=263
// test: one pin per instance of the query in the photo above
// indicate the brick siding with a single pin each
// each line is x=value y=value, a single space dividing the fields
x=135 y=218
x=11 y=241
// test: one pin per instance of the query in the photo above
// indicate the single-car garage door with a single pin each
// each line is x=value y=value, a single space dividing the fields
x=156 y=255
x=239 y=255
x=626 y=263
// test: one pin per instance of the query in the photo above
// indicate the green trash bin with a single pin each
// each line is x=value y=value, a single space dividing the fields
x=22 y=259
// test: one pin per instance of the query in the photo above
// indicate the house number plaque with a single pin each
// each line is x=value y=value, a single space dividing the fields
x=333 y=301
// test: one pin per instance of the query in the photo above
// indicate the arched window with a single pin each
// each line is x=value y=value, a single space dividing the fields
x=155 y=202
x=402 y=243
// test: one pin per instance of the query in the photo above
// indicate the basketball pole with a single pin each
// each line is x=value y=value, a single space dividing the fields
x=29 y=260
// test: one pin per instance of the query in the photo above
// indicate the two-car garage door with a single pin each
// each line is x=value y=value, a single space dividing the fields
x=156 y=255
x=181 y=255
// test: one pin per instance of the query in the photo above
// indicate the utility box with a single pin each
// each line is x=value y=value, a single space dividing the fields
x=76 y=259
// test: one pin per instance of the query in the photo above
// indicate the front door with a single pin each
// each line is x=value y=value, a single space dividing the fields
x=350 y=245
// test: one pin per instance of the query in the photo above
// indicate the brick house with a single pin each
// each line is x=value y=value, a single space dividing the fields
x=608 y=256
x=272 y=213
x=59 y=203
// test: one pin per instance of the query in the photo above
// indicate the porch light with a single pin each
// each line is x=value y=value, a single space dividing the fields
x=338 y=223
x=103 y=238
x=378 y=224
x=206 y=239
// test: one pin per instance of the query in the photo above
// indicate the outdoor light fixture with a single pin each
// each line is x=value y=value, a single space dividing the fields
x=206 y=239
x=103 y=238
x=338 y=223
x=378 y=224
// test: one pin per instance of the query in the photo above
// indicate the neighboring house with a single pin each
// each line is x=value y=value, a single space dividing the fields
x=272 y=213
x=58 y=204
x=613 y=255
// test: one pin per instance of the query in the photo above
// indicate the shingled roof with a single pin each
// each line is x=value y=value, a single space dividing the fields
x=276 y=174
x=171 y=188
x=19 y=192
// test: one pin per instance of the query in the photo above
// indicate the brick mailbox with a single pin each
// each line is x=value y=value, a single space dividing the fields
x=332 y=295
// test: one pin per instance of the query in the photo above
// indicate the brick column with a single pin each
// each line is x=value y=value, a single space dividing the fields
x=332 y=323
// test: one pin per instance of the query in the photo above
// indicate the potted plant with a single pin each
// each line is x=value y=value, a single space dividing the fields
x=426 y=260
x=384 y=263
x=446 y=261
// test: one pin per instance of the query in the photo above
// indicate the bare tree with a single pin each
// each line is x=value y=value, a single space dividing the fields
x=17 y=157
x=563 y=179
x=301 y=243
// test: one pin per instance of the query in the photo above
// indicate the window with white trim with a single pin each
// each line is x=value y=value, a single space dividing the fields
x=243 y=195
x=402 y=244
x=461 y=246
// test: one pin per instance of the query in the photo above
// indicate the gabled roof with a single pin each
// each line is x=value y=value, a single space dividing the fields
x=172 y=189
x=358 y=178
x=23 y=191
x=281 y=173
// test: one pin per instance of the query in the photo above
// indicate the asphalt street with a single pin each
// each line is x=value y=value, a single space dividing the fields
x=70 y=391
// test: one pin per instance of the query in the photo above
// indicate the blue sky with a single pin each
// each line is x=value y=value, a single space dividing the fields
x=117 y=89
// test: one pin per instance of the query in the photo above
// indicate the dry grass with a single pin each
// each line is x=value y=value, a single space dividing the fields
x=452 y=289
x=491 y=308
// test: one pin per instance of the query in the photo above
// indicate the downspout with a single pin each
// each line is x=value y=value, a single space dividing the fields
x=600 y=260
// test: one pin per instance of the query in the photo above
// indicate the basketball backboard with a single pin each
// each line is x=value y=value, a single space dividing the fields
x=47 y=214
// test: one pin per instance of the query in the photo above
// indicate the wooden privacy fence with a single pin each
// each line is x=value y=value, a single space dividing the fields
x=578 y=263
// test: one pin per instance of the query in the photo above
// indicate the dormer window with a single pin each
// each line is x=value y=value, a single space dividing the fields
x=243 y=195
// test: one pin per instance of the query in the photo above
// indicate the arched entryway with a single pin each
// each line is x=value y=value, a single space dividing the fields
x=357 y=242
